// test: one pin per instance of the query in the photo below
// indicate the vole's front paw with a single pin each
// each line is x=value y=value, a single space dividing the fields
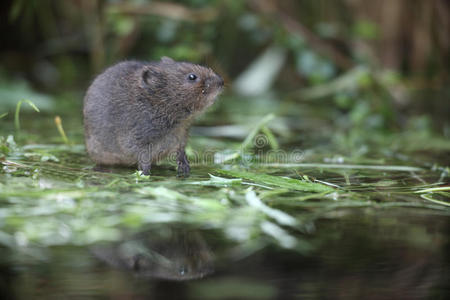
x=183 y=164
x=183 y=170
x=145 y=168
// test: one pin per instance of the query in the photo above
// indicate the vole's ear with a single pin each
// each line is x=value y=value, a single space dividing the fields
x=148 y=78
x=166 y=59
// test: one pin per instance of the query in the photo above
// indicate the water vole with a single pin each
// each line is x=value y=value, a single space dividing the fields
x=138 y=112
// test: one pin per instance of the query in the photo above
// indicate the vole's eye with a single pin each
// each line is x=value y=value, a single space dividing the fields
x=192 y=77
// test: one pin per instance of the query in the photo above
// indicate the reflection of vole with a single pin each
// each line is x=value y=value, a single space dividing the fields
x=169 y=253
x=139 y=112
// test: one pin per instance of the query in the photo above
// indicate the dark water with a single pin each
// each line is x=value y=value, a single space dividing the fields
x=371 y=254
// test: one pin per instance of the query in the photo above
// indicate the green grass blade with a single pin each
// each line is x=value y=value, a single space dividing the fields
x=270 y=137
x=249 y=139
x=345 y=166
x=16 y=115
x=32 y=105
x=61 y=131
x=434 y=189
x=429 y=198
x=280 y=216
x=282 y=182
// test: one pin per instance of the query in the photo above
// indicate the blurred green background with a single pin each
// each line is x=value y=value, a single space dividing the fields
x=348 y=72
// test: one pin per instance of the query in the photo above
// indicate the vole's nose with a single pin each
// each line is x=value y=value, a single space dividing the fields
x=214 y=81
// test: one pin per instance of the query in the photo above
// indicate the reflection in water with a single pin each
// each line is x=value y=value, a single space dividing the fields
x=166 y=253
x=378 y=254
x=362 y=257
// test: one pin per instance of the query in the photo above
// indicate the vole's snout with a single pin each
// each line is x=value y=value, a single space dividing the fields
x=220 y=81
x=214 y=83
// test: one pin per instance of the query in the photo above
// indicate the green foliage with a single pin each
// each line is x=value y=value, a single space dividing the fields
x=281 y=182
x=218 y=181
x=17 y=113
x=7 y=145
x=366 y=30
x=428 y=194
x=313 y=67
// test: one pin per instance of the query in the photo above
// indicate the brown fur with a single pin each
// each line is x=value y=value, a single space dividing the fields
x=139 y=112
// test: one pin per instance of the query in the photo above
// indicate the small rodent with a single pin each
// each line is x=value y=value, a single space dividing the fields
x=138 y=112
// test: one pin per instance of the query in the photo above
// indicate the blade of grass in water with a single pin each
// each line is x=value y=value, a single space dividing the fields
x=249 y=139
x=427 y=194
x=58 y=124
x=434 y=189
x=283 y=182
x=16 y=115
x=248 y=142
x=280 y=216
x=345 y=166
x=217 y=181
x=428 y=198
